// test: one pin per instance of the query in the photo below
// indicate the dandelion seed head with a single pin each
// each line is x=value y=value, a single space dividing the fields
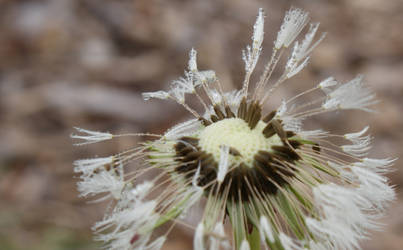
x=258 y=170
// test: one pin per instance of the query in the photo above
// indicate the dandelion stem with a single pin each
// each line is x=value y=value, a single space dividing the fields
x=254 y=239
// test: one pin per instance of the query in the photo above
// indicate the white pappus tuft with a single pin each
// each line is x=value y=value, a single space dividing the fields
x=218 y=238
x=374 y=187
x=141 y=190
x=294 y=21
x=88 y=166
x=251 y=54
x=157 y=94
x=198 y=242
x=361 y=144
x=351 y=95
x=266 y=232
x=258 y=31
x=380 y=166
x=90 y=137
x=192 y=65
x=130 y=222
x=288 y=243
x=102 y=182
x=299 y=56
x=244 y=245
x=328 y=82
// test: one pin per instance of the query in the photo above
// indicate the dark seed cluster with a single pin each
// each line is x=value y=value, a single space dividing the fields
x=191 y=157
x=270 y=169
x=250 y=113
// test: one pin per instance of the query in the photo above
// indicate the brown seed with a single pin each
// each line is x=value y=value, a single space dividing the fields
x=230 y=114
x=295 y=144
x=242 y=108
x=278 y=128
x=204 y=121
x=270 y=116
x=179 y=146
x=191 y=140
x=316 y=148
x=234 y=151
x=290 y=134
x=218 y=112
x=184 y=151
x=287 y=152
x=269 y=131
x=206 y=160
x=261 y=159
x=192 y=156
x=266 y=154
x=256 y=116
x=250 y=112
x=214 y=118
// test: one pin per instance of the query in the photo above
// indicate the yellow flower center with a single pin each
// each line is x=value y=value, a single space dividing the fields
x=235 y=133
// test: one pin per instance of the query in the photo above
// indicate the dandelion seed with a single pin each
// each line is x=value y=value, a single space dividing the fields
x=328 y=82
x=158 y=95
x=277 y=184
x=90 y=136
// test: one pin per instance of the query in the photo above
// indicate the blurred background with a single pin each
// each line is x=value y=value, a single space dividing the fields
x=66 y=63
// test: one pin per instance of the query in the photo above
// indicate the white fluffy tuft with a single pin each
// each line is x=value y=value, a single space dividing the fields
x=294 y=21
x=90 y=137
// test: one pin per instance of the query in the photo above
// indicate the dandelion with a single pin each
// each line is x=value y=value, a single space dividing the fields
x=276 y=184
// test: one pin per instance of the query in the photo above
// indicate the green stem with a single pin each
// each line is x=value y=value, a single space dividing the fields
x=240 y=226
x=237 y=223
x=254 y=239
